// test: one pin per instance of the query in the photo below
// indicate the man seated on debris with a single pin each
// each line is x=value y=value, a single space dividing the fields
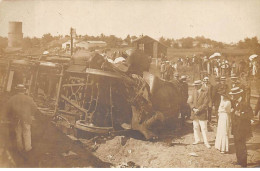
x=19 y=110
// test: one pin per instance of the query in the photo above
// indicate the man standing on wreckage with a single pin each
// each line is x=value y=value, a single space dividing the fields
x=152 y=111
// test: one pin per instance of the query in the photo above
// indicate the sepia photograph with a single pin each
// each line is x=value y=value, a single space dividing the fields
x=129 y=84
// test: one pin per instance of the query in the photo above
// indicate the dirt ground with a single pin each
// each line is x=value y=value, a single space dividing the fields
x=51 y=149
x=172 y=150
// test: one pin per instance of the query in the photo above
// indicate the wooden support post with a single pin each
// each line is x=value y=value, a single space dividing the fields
x=71 y=43
x=58 y=92
x=111 y=104
x=155 y=52
x=7 y=75
x=30 y=86
x=35 y=82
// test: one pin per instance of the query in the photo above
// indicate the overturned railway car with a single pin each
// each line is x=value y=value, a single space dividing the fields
x=99 y=98
x=95 y=98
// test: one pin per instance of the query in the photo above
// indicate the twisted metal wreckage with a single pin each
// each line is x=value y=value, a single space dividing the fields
x=98 y=96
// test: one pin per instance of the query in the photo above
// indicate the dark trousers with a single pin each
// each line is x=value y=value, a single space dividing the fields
x=209 y=113
x=241 y=151
x=185 y=112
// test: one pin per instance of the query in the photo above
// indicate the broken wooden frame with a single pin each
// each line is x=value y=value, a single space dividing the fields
x=77 y=101
x=28 y=69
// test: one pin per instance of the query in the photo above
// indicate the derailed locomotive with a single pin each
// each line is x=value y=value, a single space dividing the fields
x=99 y=96
x=111 y=97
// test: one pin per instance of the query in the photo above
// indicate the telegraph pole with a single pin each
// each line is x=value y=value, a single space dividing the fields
x=71 y=39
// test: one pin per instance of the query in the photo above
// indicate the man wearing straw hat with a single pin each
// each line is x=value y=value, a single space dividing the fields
x=19 y=110
x=234 y=81
x=199 y=105
x=241 y=126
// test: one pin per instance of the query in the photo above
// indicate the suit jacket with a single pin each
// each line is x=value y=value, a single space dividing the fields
x=210 y=93
x=241 y=124
x=20 y=107
x=200 y=101
x=184 y=92
x=215 y=95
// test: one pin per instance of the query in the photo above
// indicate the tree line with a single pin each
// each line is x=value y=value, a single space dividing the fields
x=190 y=42
x=49 y=41
x=200 y=41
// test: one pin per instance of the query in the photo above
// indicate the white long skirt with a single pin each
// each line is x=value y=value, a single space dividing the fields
x=222 y=138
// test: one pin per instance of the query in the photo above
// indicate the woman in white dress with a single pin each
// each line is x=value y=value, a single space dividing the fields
x=222 y=138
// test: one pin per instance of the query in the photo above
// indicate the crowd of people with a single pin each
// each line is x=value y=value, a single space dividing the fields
x=218 y=66
x=229 y=102
x=228 y=99
x=233 y=113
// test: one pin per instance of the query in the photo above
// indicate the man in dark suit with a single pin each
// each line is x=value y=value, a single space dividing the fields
x=20 y=109
x=199 y=106
x=241 y=124
x=184 y=107
x=216 y=95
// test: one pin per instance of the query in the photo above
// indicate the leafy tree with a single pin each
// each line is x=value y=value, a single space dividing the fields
x=133 y=37
x=176 y=45
x=248 y=43
x=168 y=42
x=102 y=36
x=46 y=38
x=187 y=42
x=27 y=43
x=128 y=39
x=162 y=40
x=36 y=42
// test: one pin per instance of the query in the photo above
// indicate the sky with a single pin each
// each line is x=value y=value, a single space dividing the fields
x=221 y=20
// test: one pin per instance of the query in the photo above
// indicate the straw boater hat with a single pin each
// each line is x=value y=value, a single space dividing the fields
x=223 y=78
x=20 y=87
x=235 y=90
x=183 y=78
x=197 y=82
x=233 y=76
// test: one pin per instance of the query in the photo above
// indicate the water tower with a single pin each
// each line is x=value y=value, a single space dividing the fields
x=15 y=35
